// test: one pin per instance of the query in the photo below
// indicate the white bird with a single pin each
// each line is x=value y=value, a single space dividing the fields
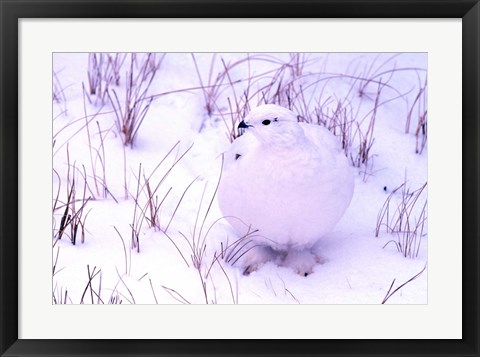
x=288 y=181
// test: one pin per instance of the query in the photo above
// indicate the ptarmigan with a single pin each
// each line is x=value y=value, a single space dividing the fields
x=290 y=181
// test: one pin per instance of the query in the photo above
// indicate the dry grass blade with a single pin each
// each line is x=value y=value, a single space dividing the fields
x=127 y=270
x=177 y=296
x=234 y=296
x=126 y=287
x=58 y=93
x=89 y=286
x=390 y=293
x=59 y=297
x=55 y=263
x=153 y=291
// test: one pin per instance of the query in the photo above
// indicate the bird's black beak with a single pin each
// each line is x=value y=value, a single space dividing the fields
x=243 y=125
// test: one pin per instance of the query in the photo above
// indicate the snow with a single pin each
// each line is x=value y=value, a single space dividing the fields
x=357 y=267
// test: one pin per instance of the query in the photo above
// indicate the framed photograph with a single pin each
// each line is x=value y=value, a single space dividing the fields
x=239 y=178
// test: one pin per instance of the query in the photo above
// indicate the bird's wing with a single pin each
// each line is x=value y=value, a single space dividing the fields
x=321 y=137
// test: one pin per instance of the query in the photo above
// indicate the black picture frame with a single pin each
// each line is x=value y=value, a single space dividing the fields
x=12 y=10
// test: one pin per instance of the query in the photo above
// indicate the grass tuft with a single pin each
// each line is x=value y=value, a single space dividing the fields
x=73 y=217
x=131 y=112
x=103 y=71
x=406 y=218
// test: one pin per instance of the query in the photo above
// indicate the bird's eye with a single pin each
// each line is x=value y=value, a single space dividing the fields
x=266 y=122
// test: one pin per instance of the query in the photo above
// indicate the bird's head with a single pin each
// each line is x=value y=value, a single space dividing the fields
x=273 y=125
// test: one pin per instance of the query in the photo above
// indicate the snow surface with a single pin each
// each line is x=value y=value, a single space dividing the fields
x=357 y=267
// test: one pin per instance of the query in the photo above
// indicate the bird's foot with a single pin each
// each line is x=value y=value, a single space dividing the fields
x=253 y=259
x=301 y=261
